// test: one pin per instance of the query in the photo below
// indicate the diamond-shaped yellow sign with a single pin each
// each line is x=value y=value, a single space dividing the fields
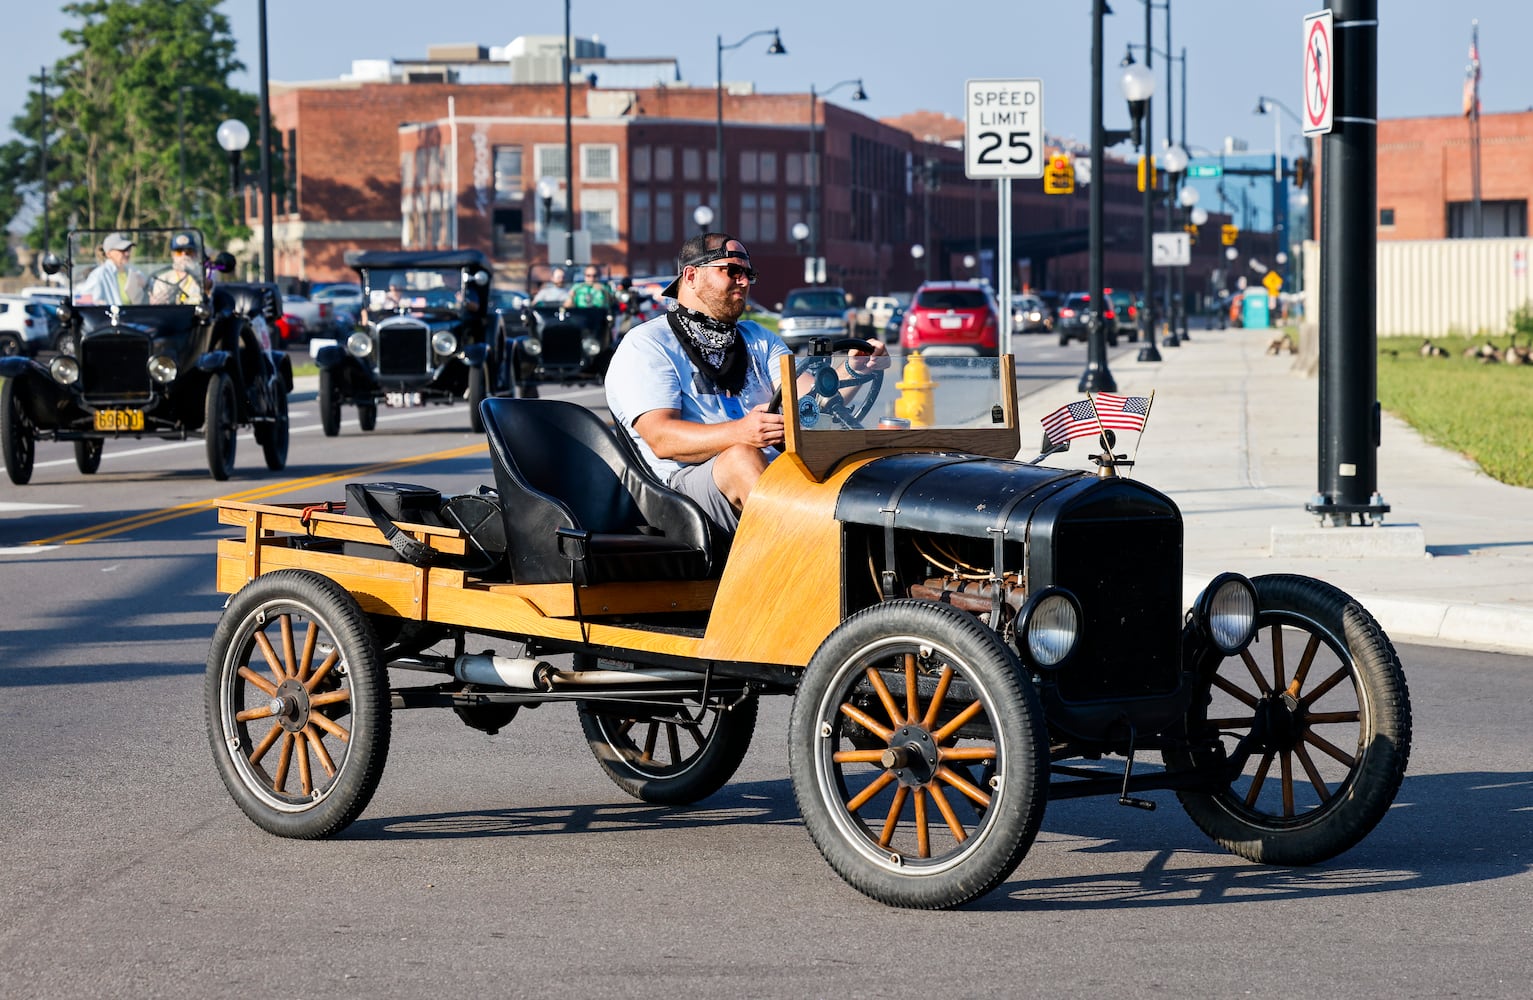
x=1274 y=282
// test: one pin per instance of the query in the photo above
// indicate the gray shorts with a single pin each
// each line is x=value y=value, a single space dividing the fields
x=696 y=483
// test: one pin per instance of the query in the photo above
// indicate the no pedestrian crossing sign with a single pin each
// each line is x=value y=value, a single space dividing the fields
x=1003 y=129
x=1318 y=75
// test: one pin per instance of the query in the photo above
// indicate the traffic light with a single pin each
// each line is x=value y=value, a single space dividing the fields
x=1228 y=234
x=1192 y=233
x=1142 y=161
x=1301 y=171
x=1059 y=178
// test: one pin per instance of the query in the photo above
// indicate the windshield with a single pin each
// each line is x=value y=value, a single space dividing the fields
x=807 y=302
x=413 y=288
x=136 y=267
x=963 y=392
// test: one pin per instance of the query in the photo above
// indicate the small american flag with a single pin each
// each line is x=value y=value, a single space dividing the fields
x=1122 y=413
x=1103 y=411
x=1070 y=421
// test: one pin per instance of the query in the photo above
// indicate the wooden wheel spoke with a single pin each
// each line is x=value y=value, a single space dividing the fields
x=943 y=680
x=305 y=778
x=338 y=731
x=330 y=697
x=1315 y=780
x=1278 y=683
x=272 y=660
x=964 y=785
x=966 y=753
x=1329 y=749
x=324 y=670
x=284 y=760
x=1229 y=687
x=887 y=834
x=1330 y=718
x=267 y=741
x=948 y=815
x=865 y=720
x=875 y=786
x=255 y=680
x=1259 y=779
x=1341 y=674
x=912 y=694
x=320 y=753
x=858 y=756
x=1255 y=671
x=1286 y=764
x=881 y=689
x=696 y=732
x=673 y=741
x=289 y=652
x=310 y=639
x=1305 y=662
x=959 y=721
x=651 y=734
x=251 y=714
x=923 y=828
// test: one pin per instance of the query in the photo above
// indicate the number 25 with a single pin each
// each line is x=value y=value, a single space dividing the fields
x=990 y=142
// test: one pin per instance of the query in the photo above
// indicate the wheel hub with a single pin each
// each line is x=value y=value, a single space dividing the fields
x=1279 y=722
x=912 y=756
x=290 y=706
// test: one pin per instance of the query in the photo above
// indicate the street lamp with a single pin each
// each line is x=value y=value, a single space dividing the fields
x=1138 y=86
x=234 y=135
x=1174 y=160
x=547 y=187
x=703 y=216
x=816 y=224
x=1096 y=377
x=775 y=49
x=918 y=254
x=1264 y=106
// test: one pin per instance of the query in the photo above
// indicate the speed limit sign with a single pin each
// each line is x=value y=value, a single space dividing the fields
x=1003 y=129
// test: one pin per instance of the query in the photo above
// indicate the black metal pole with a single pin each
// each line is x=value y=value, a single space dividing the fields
x=718 y=136
x=1147 y=275
x=1096 y=377
x=1181 y=272
x=42 y=162
x=814 y=185
x=268 y=249
x=569 y=146
x=1349 y=409
x=181 y=152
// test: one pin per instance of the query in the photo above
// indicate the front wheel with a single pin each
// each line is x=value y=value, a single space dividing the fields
x=88 y=455
x=918 y=755
x=18 y=437
x=329 y=404
x=220 y=426
x=1321 y=695
x=297 y=704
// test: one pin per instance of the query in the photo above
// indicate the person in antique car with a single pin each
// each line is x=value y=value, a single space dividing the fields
x=592 y=293
x=692 y=386
x=114 y=282
x=553 y=292
x=181 y=283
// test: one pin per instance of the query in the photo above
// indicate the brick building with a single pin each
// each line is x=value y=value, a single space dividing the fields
x=1426 y=183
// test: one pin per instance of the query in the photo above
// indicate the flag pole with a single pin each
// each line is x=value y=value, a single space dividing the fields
x=1109 y=466
x=1140 y=439
x=1477 y=217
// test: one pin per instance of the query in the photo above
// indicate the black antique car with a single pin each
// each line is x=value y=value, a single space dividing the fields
x=150 y=346
x=965 y=637
x=554 y=342
x=426 y=336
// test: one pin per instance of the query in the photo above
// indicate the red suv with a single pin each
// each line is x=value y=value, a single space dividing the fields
x=951 y=317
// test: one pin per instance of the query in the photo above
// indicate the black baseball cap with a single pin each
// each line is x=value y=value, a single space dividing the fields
x=707 y=257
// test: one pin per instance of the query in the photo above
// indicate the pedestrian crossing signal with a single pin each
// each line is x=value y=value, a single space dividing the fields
x=1228 y=234
x=1059 y=178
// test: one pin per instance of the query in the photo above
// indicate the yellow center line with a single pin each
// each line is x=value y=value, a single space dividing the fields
x=148 y=518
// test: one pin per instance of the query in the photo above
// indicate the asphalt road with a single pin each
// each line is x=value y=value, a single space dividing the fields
x=509 y=865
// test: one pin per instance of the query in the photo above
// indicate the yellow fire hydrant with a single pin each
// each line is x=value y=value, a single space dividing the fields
x=916 y=403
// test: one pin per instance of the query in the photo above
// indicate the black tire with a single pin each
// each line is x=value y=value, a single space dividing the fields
x=88 y=455
x=865 y=807
x=329 y=404
x=1356 y=714
x=18 y=437
x=275 y=441
x=10 y=345
x=1064 y=341
x=478 y=378
x=654 y=758
x=324 y=660
x=220 y=427
x=367 y=415
x=529 y=390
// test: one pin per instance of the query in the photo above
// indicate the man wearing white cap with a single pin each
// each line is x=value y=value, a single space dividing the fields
x=114 y=282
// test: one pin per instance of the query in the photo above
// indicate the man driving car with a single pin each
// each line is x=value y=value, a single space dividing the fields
x=181 y=283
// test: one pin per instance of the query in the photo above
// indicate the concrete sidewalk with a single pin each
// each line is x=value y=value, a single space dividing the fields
x=1233 y=439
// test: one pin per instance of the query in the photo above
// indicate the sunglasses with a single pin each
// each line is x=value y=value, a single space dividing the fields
x=734 y=271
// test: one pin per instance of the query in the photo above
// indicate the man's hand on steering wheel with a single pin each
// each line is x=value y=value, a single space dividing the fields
x=831 y=389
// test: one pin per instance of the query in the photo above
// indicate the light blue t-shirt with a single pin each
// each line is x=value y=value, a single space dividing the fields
x=650 y=371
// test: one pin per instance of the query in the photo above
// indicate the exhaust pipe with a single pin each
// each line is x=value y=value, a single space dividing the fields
x=527 y=674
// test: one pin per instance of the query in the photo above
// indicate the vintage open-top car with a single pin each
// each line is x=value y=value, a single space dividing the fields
x=164 y=352
x=426 y=337
x=965 y=636
x=554 y=342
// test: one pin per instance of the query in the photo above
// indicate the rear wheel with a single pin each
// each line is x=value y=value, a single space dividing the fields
x=367 y=415
x=274 y=445
x=18 y=437
x=10 y=345
x=219 y=426
x=478 y=377
x=329 y=404
x=1321 y=695
x=88 y=455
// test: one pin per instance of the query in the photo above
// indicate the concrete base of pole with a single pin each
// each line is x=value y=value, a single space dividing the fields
x=1384 y=541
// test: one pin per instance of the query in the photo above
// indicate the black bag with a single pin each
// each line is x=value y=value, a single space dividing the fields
x=477 y=515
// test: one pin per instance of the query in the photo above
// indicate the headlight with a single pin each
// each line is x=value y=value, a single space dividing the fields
x=590 y=347
x=359 y=345
x=443 y=342
x=1226 y=612
x=162 y=368
x=64 y=369
x=1049 y=627
x=532 y=346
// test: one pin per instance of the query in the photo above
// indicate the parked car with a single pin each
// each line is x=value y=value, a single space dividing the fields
x=1074 y=321
x=874 y=315
x=1029 y=314
x=341 y=297
x=27 y=327
x=952 y=317
x=1053 y=300
x=435 y=345
x=814 y=311
x=553 y=343
x=135 y=369
x=1122 y=313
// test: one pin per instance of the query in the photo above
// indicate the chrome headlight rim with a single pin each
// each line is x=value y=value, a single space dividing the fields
x=64 y=369
x=359 y=345
x=444 y=342
x=1049 y=628
x=1226 y=612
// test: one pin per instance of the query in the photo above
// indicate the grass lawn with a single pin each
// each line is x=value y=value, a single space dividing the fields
x=1482 y=411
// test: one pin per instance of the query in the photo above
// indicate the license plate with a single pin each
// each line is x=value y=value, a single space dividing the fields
x=402 y=399
x=119 y=420
x=951 y=322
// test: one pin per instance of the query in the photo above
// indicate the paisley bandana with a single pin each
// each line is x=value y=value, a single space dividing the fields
x=715 y=347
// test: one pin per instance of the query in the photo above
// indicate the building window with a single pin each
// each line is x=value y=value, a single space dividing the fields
x=749 y=218
x=665 y=218
x=508 y=175
x=689 y=203
x=767 y=224
x=598 y=214
x=793 y=211
x=598 y=162
x=1499 y=220
x=747 y=168
x=509 y=240
x=640 y=165
x=793 y=168
x=665 y=164
x=691 y=164
x=768 y=173
x=550 y=161
x=713 y=164
x=640 y=221
x=1386 y=218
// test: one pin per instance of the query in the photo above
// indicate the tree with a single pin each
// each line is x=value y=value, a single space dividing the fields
x=113 y=149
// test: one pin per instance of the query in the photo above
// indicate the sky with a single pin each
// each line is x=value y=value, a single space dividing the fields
x=909 y=57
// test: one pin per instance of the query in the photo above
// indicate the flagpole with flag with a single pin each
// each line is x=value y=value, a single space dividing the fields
x=1472 y=112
